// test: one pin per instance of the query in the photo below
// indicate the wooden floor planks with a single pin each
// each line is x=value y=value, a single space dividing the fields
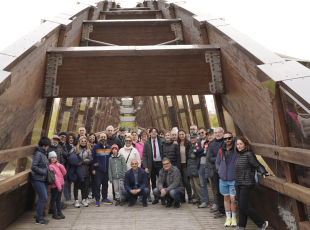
x=134 y=218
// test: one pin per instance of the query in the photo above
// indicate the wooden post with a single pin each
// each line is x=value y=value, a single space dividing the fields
x=203 y=35
x=283 y=141
x=192 y=109
x=238 y=131
x=204 y=111
x=188 y=119
x=177 y=112
x=172 y=12
x=219 y=111
x=168 y=112
x=161 y=113
x=47 y=116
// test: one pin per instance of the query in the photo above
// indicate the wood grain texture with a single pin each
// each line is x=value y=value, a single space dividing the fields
x=15 y=153
x=9 y=183
x=167 y=74
x=305 y=225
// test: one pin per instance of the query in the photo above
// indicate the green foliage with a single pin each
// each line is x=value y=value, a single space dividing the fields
x=214 y=121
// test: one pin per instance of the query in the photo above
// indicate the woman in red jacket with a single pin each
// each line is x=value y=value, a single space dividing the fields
x=56 y=187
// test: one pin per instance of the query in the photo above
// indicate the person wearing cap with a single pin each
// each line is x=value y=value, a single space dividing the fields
x=62 y=143
x=55 y=146
x=209 y=170
x=192 y=171
x=56 y=187
x=122 y=135
x=203 y=143
x=117 y=171
x=193 y=129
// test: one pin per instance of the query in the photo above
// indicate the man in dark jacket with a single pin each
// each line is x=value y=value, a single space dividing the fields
x=213 y=150
x=201 y=165
x=152 y=152
x=169 y=184
x=122 y=135
x=62 y=143
x=112 y=138
x=171 y=151
x=135 y=184
x=225 y=165
x=57 y=148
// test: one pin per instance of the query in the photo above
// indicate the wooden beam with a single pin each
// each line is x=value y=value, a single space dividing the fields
x=204 y=111
x=188 y=119
x=238 y=130
x=295 y=191
x=135 y=8
x=13 y=181
x=171 y=12
x=204 y=35
x=219 y=111
x=47 y=116
x=161 y=113
x=167 y=112
x=131 y=22
x=8 y=155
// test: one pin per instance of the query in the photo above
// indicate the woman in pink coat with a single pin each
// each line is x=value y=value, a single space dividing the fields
x=56 y=188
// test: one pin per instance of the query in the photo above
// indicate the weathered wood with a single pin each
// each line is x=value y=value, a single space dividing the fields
x=305 y=225
x=47 y=116
x=238 y=130
x=204 y=111
x=135 y=8
x=132 y=22
x=8 y=155
x=219 y=111
x=11 y=182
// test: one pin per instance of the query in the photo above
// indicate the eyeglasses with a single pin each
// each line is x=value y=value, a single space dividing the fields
x=201 y=133
x=128 y=140
x=63 y=137
x=167 y=164
x=227 y=138
x=83 y=141
x=192 y=129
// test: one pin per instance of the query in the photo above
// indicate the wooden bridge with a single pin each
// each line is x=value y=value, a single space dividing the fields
x=78 y=68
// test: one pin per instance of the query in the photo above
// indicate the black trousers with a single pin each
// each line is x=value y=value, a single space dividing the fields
x=82 y=186
x=186 y=182
x=157 y=166
x=245 y=211
x=219 y=196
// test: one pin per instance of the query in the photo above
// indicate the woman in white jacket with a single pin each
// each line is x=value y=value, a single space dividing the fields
x=129 y=152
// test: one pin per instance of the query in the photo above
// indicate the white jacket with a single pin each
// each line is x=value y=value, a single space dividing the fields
x=134 y=155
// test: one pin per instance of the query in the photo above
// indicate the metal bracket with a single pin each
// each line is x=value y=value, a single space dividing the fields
x=102 y=16
x=213 y=57
x=177 y=28
x=159 y=15
x=53 y=61
x=87 y=29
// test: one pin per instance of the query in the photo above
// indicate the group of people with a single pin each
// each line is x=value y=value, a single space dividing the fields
x=166 y=162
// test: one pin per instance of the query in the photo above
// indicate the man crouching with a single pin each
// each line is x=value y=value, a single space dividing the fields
x=169 y=185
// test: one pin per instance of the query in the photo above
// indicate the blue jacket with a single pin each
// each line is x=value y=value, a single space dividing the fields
x=213 y=150
x=39 y=165
x=199 y=152
x=225 y=163
x=74 y=170
x=101 y=155
x=130 y=180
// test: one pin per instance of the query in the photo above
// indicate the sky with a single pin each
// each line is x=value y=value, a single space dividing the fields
x=280 y=25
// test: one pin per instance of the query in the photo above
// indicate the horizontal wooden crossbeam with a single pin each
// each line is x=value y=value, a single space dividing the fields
x=13 y=181
x=132 y=22
x=8 y=155
x=130 y=12
x=291 y=155
x=135 y=8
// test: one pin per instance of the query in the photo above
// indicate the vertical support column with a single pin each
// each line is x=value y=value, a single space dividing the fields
x=204 y=35
x=172 y=12
x=204 y=111
x=219 y=111
x=192 y=109
x=167 y=111
x=283 y=141
x=47 y=116
x=161 y=113
x=188 y=119
x=60 y=115
x=177 y=112
x=238 y=130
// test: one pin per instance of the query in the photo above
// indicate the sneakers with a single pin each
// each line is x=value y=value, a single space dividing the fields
x=77 y=204
x=177 y=204
x=122 y=202
x=144 y=203
x=149 y=199
x=87 y=201
x=233 y=222
x=61 y=216
x=106 y=201
x=97 y=203
x=56 y=217
x=214 y=208
x=239 y=228
x=42 y=221
x=190 y=201
x=117 y=203
x=219 y=215
x=264 y=226
x=204 y=205
x=228 y=222
x=69 y=202
x=84 y=203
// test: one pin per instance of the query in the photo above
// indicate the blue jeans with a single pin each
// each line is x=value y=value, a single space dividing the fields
x=203 y=183
x=41 y=189
x=56 y=200
x=133 y=197
x=172 y=194
x=67 y=190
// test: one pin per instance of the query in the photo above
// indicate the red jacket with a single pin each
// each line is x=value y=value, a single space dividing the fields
x=59 y=173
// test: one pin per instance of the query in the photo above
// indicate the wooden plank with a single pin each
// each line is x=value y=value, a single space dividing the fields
x=305 y=225
x=104 y=51
x=219 y=111
x=132 y=22
x=156 y=71
x=47 y=117
x=204 y=111
x=8 y=155
x=135 y=8
x=11 y=182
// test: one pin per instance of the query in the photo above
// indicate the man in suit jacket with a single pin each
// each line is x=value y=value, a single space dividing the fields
x=136 y=184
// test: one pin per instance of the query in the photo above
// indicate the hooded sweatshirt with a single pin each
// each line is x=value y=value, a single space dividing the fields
x=130 y=153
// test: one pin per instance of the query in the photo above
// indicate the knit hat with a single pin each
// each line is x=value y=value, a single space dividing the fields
x=52 y=154
x=114 y=147
x=63 y=133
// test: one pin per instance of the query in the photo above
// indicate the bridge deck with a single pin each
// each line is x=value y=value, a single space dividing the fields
x=137 y=217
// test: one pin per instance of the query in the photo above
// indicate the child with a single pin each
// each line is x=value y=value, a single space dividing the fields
x=56 y=188
x=117 y=170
